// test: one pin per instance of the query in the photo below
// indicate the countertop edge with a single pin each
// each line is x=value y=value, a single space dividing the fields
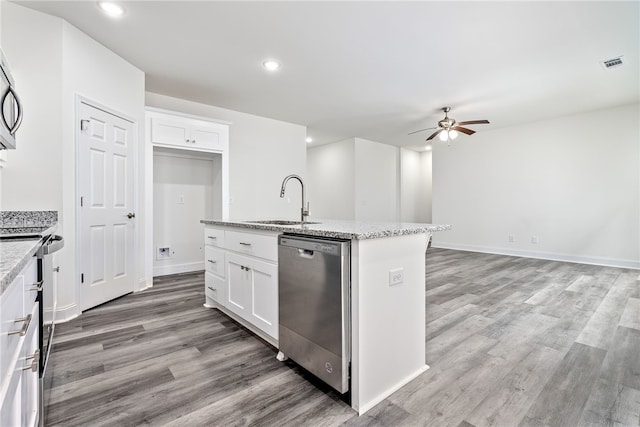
x=17 y=267
x=298 y=229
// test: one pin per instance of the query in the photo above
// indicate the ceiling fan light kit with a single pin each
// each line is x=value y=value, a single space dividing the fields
x=448 y=128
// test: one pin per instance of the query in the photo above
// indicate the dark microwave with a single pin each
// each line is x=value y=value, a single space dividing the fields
x=10 y=107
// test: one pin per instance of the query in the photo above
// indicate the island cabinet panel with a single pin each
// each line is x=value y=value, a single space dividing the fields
x=241 y=277
x=186 y=133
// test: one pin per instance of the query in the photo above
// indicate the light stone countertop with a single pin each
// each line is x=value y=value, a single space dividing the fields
x=14 y=255
x=353 y=230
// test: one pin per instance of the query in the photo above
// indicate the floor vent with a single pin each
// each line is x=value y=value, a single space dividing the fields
x=612 y=63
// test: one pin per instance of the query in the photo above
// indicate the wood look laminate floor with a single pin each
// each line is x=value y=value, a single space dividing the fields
x=510 y=341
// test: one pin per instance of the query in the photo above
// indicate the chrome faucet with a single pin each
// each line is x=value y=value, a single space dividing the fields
x=304 y=213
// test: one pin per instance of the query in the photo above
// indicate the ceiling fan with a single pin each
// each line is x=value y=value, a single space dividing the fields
x=448 y=128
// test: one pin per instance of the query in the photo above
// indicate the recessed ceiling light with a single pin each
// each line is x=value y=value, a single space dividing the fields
x=110 y=8
x=309 y=139
x=271 y=64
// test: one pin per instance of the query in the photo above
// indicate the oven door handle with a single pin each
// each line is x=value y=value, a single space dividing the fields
x=55 y=244
x=36 y=286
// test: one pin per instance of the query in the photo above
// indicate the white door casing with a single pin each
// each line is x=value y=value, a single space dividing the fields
x=106 y=236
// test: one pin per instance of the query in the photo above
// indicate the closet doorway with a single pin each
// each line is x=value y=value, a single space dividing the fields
x=187 y=187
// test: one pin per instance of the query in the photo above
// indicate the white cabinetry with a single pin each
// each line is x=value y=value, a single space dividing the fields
x=186 y=133
x=19 y=357
x=247 y=287
x=253 y=291
x=214 y=264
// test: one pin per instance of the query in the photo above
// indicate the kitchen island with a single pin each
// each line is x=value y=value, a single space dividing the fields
x=387 y=292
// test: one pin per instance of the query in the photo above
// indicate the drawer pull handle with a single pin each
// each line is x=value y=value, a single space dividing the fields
x=245 y=244
x=212 y=261
x=57 y=269
x=213 y=289
x=33 y=366
x=242 y=267
x=25 y=326
x=35 y=360
x=36 y=286
x=212 y=237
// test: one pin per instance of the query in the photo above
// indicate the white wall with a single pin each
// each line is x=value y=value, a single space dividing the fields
x=415 y=186
x=183 y=194
x=53 y=63
x=377 y=181
x=32 y=175
x=410 y=185
x=572 y=182
x=425 y=186
x=363 y=180
x=331 y=180
x=262 y=152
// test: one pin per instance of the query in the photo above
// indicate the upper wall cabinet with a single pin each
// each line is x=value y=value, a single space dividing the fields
x=188 y=133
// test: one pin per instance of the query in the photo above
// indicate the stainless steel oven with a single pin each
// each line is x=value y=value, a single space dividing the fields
x=48 y=298
x=10 y=107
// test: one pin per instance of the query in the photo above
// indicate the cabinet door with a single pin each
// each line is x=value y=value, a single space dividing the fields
x=170 y=132
x=238 y=285
x=264 y=296
x=206 y=137
x=253 y=291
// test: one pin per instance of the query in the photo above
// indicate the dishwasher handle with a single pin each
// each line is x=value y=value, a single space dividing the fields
x=305 y=253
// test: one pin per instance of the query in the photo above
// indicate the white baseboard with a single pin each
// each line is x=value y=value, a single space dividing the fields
x=177 y=268
x=364 y=407
x=608 y=262
x=144 y=284
x=66 y=313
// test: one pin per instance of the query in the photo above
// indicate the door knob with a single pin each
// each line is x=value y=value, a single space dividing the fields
x=131 y=215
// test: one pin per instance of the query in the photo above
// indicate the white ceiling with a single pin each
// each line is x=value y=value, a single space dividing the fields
x=377 y=70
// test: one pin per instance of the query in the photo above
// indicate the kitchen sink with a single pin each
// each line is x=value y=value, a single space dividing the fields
x=282 y=222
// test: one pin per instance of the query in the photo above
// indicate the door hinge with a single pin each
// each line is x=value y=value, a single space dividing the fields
x=84 y=125
x=81 y=277
x=81 y=201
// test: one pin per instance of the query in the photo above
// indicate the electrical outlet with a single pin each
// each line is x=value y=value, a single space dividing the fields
x=534 y=240
x=511 y=238
x=396 y=276
x=163 y=253
x=181 y=199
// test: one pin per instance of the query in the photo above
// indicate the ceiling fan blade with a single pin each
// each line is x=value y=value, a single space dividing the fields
x=421 y=130
x=474 y=122
x=433 y=135
x=464 y=130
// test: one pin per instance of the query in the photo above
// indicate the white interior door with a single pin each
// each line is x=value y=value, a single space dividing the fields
x=106 y=218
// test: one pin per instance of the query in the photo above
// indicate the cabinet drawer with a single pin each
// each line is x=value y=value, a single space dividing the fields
x=214 y=288
x=12 y=309
x=214 y=260
x=258 y=245
x=214 y=237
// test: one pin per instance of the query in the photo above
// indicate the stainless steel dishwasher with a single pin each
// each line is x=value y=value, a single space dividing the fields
x=314 y=305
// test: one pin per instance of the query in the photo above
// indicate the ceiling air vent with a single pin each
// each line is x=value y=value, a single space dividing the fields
x=612 y=63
